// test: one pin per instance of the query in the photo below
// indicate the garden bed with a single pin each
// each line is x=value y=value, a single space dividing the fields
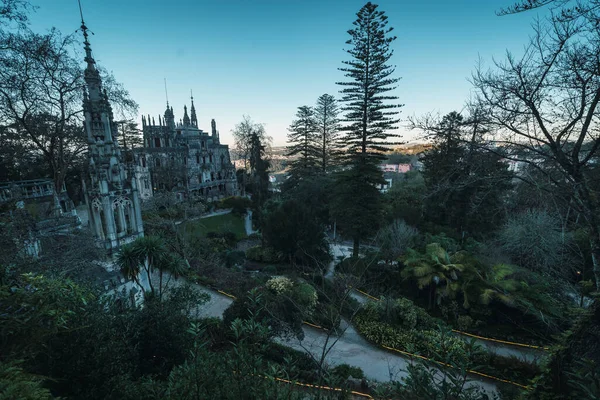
x=434 y=341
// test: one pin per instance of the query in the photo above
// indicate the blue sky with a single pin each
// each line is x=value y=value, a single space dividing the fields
x=266 y=58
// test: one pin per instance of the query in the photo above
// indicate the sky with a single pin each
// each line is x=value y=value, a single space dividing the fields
x=265 y=58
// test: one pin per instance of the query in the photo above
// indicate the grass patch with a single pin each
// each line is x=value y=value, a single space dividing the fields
x=218 y=223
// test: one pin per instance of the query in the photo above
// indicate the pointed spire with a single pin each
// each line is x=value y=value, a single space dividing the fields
x=169 y=117
x=213 y=125
x=166 y=93
x=88 y=50
x=159 y=120
x=186 y=118
x=193 y=111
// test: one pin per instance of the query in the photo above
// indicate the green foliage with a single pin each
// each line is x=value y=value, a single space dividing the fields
x=241 y=372
x=270 y=269
x=585 y=380
x=424 y=381
x=293 y=230
x=403 y=313
x=356 y=203
x=405 y=199
x=432 y=269
x=34 y=307
x=238 y=205
x=264 y=254
x=275 y=310
x=345 y=371
x=259 y=175
x=314 y=195
x=218 y=223
x=15 y=383
x=369 y=120
x=435 y=343
x=303 y=146
x=465 y=185
x=327 y=123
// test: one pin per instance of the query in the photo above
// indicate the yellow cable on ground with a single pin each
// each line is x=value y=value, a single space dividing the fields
x=450 y=366
x=315 y=326
x=401 y=352
x=227 y=294
x=368 y=396
x=501 y=341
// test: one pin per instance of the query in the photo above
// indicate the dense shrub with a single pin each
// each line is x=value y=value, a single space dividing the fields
x=263 y=254
x=437 y=344
x=353 y=266
x=238 y=205
x=270 y=269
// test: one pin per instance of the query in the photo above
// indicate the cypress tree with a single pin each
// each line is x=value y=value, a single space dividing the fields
x=369 y=117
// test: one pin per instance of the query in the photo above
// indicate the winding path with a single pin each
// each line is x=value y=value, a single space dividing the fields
x=350 y=348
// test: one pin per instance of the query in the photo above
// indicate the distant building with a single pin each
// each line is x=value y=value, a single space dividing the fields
x=384 y=187
x=184 y=159
x=397 y=168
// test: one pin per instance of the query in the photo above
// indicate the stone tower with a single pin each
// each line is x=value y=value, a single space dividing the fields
x=111 y=193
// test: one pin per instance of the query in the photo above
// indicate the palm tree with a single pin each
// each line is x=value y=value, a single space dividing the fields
x=150 y=249
x=174 y=265
x=129 y=263
x=502 y=287
x=431 y=269
x=141 y=258
x=470 y=282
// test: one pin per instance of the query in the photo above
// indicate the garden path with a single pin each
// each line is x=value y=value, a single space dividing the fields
x=207 y=215
x=248 y=223
x=350 y=348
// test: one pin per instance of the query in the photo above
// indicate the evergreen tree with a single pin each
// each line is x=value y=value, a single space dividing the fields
x=303 y=144
x=259 y=174
x=326 y=118
x=465 y=184
x=368 y=118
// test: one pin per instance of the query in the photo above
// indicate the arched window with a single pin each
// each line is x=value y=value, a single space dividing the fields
x=156 y=142
x=197 y=158
x=157 y=162
x=210 y=158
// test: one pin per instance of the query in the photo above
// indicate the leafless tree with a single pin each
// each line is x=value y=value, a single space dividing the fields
x=41 y=88
x=242 y=135
x=544 y=106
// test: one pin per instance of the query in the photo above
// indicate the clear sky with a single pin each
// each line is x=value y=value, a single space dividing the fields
x=265 y=58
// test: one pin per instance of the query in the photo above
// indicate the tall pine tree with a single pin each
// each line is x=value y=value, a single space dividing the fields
x=369 y=118
x=303 y=139
x=328 y=126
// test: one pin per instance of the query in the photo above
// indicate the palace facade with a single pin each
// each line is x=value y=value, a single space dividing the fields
x=181 y=158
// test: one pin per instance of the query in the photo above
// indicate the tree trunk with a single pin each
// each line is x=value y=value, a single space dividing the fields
x=596 y=259
x=355 y=247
